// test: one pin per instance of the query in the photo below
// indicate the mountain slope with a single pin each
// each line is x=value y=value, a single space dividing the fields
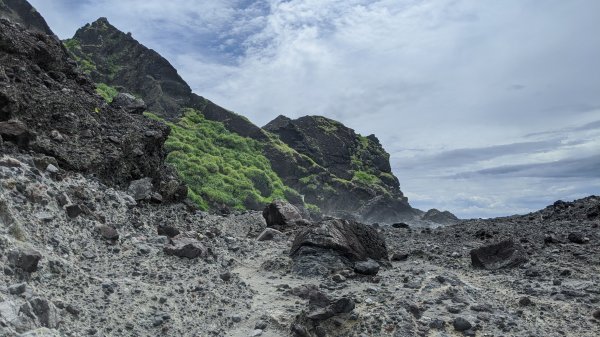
x=20 y=11
x=348 y=188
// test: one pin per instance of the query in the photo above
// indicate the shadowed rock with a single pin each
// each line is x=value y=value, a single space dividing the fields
x=505 y=254
x=280 y=214
x=185 y=247
x=25 y=259
x=129 y=103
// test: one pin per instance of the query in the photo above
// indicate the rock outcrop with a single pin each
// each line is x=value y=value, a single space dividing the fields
x=504 y=254
x=21 y=12
x=42 y=89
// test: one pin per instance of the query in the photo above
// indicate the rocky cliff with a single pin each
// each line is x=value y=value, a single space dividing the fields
x=51 y=108
x=334 y=168
x=19 y=11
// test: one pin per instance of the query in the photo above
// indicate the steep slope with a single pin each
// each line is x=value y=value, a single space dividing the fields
x=51 y=108
x=357 y=184
x=21 y=11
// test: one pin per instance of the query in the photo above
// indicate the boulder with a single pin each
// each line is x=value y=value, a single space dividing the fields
x=129 y=103
x=350 y=239
x=24 y=259
x=268 y=234
x=504 y=254
x=185 y=247
x=368 y=267
x=281 y=214
x=46 y=313
x=16 y=132
x=141 y=189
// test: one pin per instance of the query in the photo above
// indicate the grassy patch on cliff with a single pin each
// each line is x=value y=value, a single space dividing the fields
x=221 y=167
x=106 y=91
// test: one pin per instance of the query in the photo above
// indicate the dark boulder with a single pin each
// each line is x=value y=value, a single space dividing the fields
x=349 y=240
x=280 y=214
x=505 y=254
x=368 y=267
x=129 y=103
x=185 y=247
x=578 y=238
x=16 y=132
x=24 y=259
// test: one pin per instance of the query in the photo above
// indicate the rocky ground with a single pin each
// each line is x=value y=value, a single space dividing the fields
x=80 y=258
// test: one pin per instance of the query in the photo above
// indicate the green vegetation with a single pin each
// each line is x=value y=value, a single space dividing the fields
x=327 y=124
x=221 y=167
x=365 y=178
x=106 y=91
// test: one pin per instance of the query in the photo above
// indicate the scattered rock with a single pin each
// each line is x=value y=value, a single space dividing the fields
x=280 y=214
x=129 y=103
x=399 y=257
x=268 y=234
x=141 y=189
x=525 y=301
x=505 y=254
x=24 y=259
x=167 y=230
x=461 y=324
x=578 y=238
x=16 y=132
x=400 y=225
x=368 y=267
x=109 y=233
x=73 y=211
x=185 y=247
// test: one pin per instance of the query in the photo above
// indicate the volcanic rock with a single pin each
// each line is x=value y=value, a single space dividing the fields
x=505 y=254
x=280 y=214
x=25 y=259
x=185 y=247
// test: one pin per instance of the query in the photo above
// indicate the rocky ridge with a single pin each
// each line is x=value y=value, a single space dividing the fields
x=323 y=177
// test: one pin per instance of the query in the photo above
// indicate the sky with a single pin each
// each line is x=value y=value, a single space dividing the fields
x=487 y=108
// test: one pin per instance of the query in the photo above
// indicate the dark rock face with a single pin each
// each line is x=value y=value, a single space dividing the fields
x=505 y=254
x=280 y=214
x=21 y=12
x=16 y=132
x=40 y=86
x=352 y=177
x=351 y=241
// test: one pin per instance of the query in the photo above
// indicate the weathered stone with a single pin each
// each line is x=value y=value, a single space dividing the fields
x=141 y=189
x=268 y=234
x=167 y=230
x=399 y=257
x=578 y=238
x=505 y=254
x=281 y=214
x=16 y=132
x=109 y=232
x=24 y=259
x=368 y=267
x=343 y=305
x=350 y=239
x=129 y=103
x=73 y=211
x=461 y=324
x=45 y=311
x=185 y=247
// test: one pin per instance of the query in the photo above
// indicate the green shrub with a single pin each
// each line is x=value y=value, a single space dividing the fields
x=221 y=167
x=107 y=92
x=365 y=178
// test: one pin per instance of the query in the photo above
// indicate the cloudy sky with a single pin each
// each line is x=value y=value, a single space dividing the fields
x=487 y=107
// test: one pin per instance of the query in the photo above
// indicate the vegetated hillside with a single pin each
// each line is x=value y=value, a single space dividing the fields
x=361 y=186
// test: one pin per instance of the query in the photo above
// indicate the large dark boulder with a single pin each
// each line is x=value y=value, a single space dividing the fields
x=129 y=103
x=185 y=247
x=350 y=239
x=280 y=214
x=504 y=254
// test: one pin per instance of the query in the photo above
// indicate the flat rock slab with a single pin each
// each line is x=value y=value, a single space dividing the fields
x=504 y=254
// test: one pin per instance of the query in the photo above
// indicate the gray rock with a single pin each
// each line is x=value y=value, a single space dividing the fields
x=343 y=305
x=141 y=189
x=41 y=332
x=461 y=324
x=505 y=254
x=46 y=312
x=368 y=267
x=17 y=289
x=25 y=259
x=73 y=211
x=185 y=247
x=281 y=214
x=578 y=238
x=109 y=232
x=268 y=234
x=129 y=103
